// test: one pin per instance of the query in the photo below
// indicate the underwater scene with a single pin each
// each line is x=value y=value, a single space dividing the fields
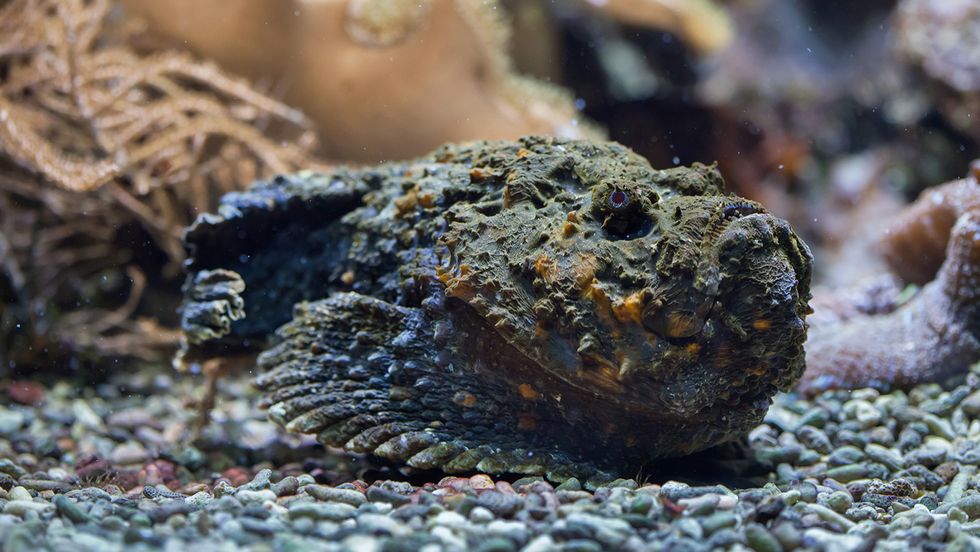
x=489 y=275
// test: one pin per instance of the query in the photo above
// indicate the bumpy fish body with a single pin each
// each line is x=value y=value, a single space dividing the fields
x=543 y=306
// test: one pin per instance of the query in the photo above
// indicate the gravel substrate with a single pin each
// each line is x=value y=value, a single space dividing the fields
x=102 y=468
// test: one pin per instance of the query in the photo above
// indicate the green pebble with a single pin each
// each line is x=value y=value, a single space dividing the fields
x=625 y=483
x=970 y=505
x=839 y=501
x=69 y=510
x=760 y=540
x=889 y=458
x=140 y=520
x=848 y=473
x=955 y=514
x=570 y=484
x=8 y=467
x=718 y=521
x=496 y=544
x=641 y=504
x=113 y=523
x=816 y=417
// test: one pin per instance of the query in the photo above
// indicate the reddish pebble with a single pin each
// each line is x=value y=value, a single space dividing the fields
x=237 y=476
x=481 y=482
x=672 y=508
x=361 y=486
x=25 y=392
x=159 y=472
x=458 y=484
x=193 y=488
x=92 y=468
x=505 y=487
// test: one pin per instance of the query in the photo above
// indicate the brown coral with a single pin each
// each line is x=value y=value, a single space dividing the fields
x=885 y=340
x=914 y=245
x=383 y=79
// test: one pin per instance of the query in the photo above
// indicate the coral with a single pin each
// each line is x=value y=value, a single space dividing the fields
x=885 y=339
x=113 y=143
x=543 y=306
x=915 y=243
x=383 y=79
x=942 y=37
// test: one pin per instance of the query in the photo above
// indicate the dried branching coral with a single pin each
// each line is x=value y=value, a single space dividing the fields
x=383 y=79
x=885 y=339
x=110 y=141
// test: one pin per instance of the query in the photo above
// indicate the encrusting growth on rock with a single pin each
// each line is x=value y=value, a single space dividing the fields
x=545 y=306
x=942 y=38
x=886 y=341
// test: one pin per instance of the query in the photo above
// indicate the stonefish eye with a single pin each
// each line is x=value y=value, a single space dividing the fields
x=619 y=199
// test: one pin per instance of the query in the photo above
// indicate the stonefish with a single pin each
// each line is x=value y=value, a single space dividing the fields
x=544 y=306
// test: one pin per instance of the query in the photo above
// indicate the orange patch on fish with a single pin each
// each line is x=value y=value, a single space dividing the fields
x=528 y=392
x=630 y=308
x=546 y=268
x=527 y=422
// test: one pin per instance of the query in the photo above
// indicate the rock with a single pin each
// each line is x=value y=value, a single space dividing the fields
x=87 y=417
x=24 y=507
x=255 y=497
x=19 y=493
x=331 y=494
x=68 y=509
x=287 y=486
x=25 y=392
x=379 y=494
x=760 y=540
x=11 y=421
x=323 y=511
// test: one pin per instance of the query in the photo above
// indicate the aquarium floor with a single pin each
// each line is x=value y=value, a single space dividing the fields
x=113 y=466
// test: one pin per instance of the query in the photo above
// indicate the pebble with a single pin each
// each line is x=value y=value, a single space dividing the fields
x=24 y=507
x=331 y=494
x=255 y=497
x=19 y=493
x=846 y=470
x=379 y=494
x=322 y=511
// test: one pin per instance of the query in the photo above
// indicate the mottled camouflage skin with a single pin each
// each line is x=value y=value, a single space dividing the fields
x=542 y=306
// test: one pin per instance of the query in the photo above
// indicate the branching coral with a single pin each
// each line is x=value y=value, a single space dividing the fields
x=112 y=143
x=383 y=79
x=884 y=339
